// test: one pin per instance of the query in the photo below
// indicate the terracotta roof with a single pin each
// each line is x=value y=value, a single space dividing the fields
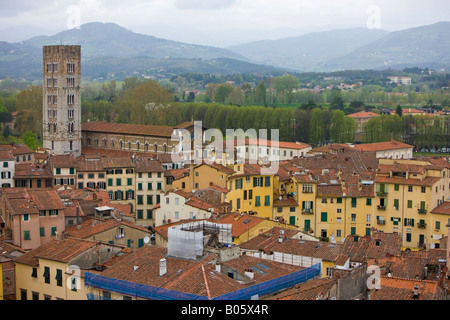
x=270 y=143
x=118 y=162
x=16 y=149
x=147 y=165
x=192 y=277
x=6 y=155
x=26 y=201
x=23 y=170
x=176 y=173
x=285 y=202
x=380 y=146
x=443 y=208
x=84 y=165
x=376 y=246
x=130 y=129
x=241 y=223
x=363 y=114
x=402 y=289
x=63 y=161
x=269 y=241
x=92 y=227
x=426 y=182
x=309 y=290
x=56 y=250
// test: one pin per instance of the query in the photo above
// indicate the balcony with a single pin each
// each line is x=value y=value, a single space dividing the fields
x=380 y=207
x=421 y=225
x=422 y=211
x=381 y=222
x=307 y=211
x=382 y=194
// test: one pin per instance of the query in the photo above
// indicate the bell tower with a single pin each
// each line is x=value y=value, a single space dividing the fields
x=61 y=85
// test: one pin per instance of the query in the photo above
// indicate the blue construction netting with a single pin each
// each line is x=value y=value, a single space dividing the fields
x=155 y=293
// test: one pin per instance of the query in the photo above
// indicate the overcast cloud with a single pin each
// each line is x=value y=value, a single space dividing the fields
x=216 y=22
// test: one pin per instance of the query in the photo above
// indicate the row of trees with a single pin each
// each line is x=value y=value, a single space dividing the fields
x=419 y=131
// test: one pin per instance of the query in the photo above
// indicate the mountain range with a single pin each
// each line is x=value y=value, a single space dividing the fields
x=109 y=50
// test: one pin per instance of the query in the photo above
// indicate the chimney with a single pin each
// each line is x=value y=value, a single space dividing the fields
x=78 y=218
x=162 y=267
x=249 y=273
x=218 y=267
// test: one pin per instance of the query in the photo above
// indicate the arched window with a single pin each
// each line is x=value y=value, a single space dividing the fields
x=129 y=145
x=138 y=145
x=121 y=144
x=156 y=147
x=146 y=146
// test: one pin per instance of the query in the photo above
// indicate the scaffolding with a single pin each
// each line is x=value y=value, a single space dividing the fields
x=156 y=293
x=188 y=240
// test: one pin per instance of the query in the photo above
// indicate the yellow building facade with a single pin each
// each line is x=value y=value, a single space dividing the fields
x=250 y=191
x=406 y=193
x=55 y=270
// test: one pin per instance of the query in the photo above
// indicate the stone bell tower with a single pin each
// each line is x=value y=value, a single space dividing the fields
x=61 y=85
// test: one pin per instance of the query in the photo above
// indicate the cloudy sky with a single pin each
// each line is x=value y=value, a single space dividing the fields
x=216 y=22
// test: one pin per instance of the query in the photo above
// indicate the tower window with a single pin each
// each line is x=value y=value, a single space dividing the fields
x=70 y=99
x=70 y=145
x=70 y=67
x=70 y=82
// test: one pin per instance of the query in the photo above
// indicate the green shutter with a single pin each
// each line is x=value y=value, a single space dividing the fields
x=267 y=201
x=42 y=231
x=324 y=217
x=254 y=182
x=267 y=182
x=257 y=201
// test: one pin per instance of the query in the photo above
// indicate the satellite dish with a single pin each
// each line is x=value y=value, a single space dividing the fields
x=146 y=239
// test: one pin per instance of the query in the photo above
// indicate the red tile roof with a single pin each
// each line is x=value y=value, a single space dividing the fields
x=380 y=146
x=130 y=129
x=403 y=289
x=56 y=250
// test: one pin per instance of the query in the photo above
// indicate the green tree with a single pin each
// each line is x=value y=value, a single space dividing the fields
x=29 y=138
x=316 y=127
x=261 y=93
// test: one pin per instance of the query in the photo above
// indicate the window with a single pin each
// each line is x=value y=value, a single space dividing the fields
x=140 y=200
x=257 y=201
x=70 y=113
x=118 y=182
x=23 y=294
x=149 y=214
x=368 y=202
x=368 y=218
x=46 y=274
x=396 y=187
x=396 y=203
x=149 y=186
x=267 y=200
x=338 y=200
x=353 y=231
x=70 y=99
x=409 y=203
x=110 y=182
x=70 y=82
x=438 y=225
x=410 y=188
x=353 y=202
x=26 y=217
x=159 y=186
x=139 y=186
x=129 y=181
x=59 y=277
x=26 y=235
x=353 y=217
x=324 y=217
x=35 y=295
x=42 y=231
x=58 y=170
x=307 y=188
x=34 y=273
x=257 y=182
x=267 y=182
x=54 y=231
x=140 y=214
x=339 y=233
x=70 y=67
